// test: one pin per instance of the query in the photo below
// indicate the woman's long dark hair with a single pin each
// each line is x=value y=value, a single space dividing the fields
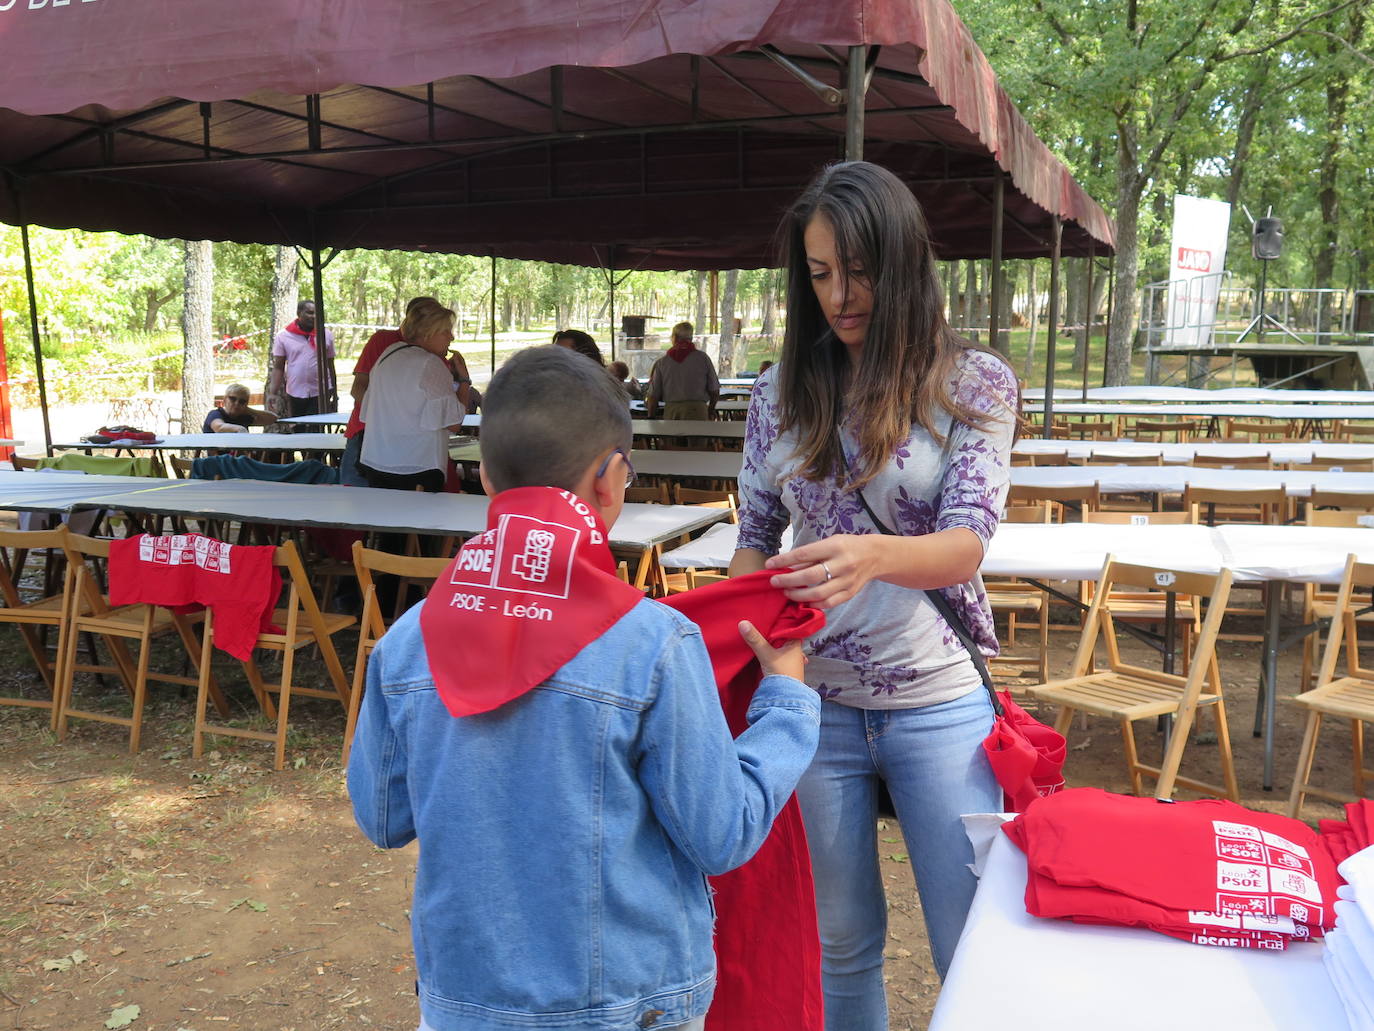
x=582 y=343
x=909 y=351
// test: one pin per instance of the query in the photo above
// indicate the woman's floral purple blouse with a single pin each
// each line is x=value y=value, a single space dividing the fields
x=887 y=648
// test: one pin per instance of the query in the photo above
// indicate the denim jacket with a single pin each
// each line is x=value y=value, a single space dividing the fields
x=565 y=836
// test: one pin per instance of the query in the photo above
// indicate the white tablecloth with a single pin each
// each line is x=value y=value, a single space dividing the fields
x=1016 y=972
x=1222 y=395
x=1213 y=410
x=1171 y=479
x=1182 y=453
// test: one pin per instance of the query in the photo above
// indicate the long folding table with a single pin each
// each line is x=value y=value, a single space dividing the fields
x=677 y=465
x=1013 y=970
x=1224 y=395
x=1171 y=479
x=1270 y=555
x=708 y=428
x=1277 y=452
x=640 y=528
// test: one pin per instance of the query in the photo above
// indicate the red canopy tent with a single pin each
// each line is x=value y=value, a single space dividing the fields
x=657 y=134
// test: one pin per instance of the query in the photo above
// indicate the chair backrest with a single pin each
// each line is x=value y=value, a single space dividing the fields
x=1155 y=429
x=1347 y=517
x=655 y=495
x=1052 y=458
x=20 y=464
x=1036 y=512
x=181 y=467
x=1187 y=517
x=1335 y=465
x=82 y=553
x=370 y=561
x=1268 y=503
x=1255 y=461
x=1107 y=457
x=1357 y=575
x=25 y=540
x=1094 y=429
x=1338 y=499
x=1359 y=431
x=1168 y=582
x=1256 y=429
x=707 y=499
x=1087 y=497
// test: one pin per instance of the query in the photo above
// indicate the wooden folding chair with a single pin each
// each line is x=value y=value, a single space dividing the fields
x=1150 y=608
x=1049 y=458
x=655 y=494
x=1255 y=461
x=1334 y=465
x=1218 y=505
x=1017 y=599
x=708 y=498
x=1086 y=498
x=89 y=610
x=1183 y=430
x=1256 y=429
x=372 y=625
x=46 y=611
x=305 y=625
x=1127 y=693
x=1124 y=458
x=1359 y=432
x=1350 y=697
x=1319 y=604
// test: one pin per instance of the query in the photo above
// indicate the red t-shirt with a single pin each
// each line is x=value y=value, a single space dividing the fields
x=372 y=350
x=768 y=950
x=1203 y=857
x=187 y=572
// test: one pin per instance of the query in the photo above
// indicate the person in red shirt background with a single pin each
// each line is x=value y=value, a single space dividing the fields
x=372 y=350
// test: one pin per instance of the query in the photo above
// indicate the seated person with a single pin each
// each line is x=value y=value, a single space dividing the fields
x=580 y=731
x=628 y=383
x=469 y=398
x=234 y=415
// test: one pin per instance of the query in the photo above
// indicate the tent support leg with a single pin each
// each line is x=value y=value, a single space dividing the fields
x=492 y=320
x=1058 y=232
x=37 y=339
x=998 y=278
x=854 y=103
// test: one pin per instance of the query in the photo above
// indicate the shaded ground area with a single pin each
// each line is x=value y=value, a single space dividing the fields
x=218 y=894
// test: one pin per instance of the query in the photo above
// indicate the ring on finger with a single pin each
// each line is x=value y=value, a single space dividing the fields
x=828 y=574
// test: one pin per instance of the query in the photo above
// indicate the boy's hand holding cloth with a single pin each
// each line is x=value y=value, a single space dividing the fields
x=1209 y=871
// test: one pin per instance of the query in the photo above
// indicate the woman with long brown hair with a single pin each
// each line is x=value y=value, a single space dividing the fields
x=879 y=412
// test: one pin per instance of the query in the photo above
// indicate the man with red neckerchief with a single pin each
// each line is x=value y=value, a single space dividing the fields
x=294 y=360
x=556 y=742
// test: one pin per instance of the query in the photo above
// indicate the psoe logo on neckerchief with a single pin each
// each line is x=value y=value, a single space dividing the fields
x=534 y=556
x=533 y=563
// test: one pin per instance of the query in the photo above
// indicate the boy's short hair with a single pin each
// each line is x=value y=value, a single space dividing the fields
x=619 y=370
x=547 y=415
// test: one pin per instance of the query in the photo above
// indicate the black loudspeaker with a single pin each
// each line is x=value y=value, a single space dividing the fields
x=1267 y=243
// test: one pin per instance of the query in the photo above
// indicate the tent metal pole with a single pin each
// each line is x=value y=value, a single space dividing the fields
x=998 y=279
x=856 y=87
x=610 y=283
x=491 y=321
x=328 y=398
x=37 y=340
x=1111 y=286
x=1088 y=314
x=1058 y=232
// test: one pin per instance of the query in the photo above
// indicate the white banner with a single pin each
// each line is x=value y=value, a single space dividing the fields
x=1197 y=261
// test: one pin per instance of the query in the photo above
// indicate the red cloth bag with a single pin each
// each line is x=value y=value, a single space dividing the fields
x=768 y=948
x=1027 y=757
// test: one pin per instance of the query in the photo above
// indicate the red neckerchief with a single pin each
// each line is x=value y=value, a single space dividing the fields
x=295 y=327
x=520 y=600
x=681 y=349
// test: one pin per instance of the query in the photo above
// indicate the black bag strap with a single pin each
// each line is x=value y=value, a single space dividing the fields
x=392 y=350
x=942 y=605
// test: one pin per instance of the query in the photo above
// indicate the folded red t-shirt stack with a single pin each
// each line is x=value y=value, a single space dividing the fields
x=1209 y=872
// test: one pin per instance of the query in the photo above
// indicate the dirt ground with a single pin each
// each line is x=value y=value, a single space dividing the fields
x=219 y=894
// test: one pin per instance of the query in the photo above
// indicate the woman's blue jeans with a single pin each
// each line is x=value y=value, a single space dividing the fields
x=933 y=763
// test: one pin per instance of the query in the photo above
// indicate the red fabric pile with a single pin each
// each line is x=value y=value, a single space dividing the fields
x=1210 y=872
x=1343 y=838
x=768 y=950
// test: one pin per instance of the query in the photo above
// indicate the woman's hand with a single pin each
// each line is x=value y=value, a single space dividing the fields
x=828 y=572
x=787 y=660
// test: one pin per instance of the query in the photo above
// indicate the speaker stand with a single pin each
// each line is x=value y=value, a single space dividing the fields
x=1262 y=318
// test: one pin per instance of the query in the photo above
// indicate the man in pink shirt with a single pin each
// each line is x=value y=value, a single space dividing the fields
x=293 y=358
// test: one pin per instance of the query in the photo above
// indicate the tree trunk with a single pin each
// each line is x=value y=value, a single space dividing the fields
x=699 y=302
x=1032 y=314
x=770 y=306
x=726 y=365
x=1121 y=331
x=198 y=363
x=1250 y=108
x=1328 y=231
x=1074 y=280
x=153 y=305
x=285 y=292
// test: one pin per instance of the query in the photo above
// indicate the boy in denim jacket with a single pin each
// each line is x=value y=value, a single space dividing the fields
x=555 y=741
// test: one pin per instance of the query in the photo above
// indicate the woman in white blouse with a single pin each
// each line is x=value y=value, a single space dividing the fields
x=410 y=408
